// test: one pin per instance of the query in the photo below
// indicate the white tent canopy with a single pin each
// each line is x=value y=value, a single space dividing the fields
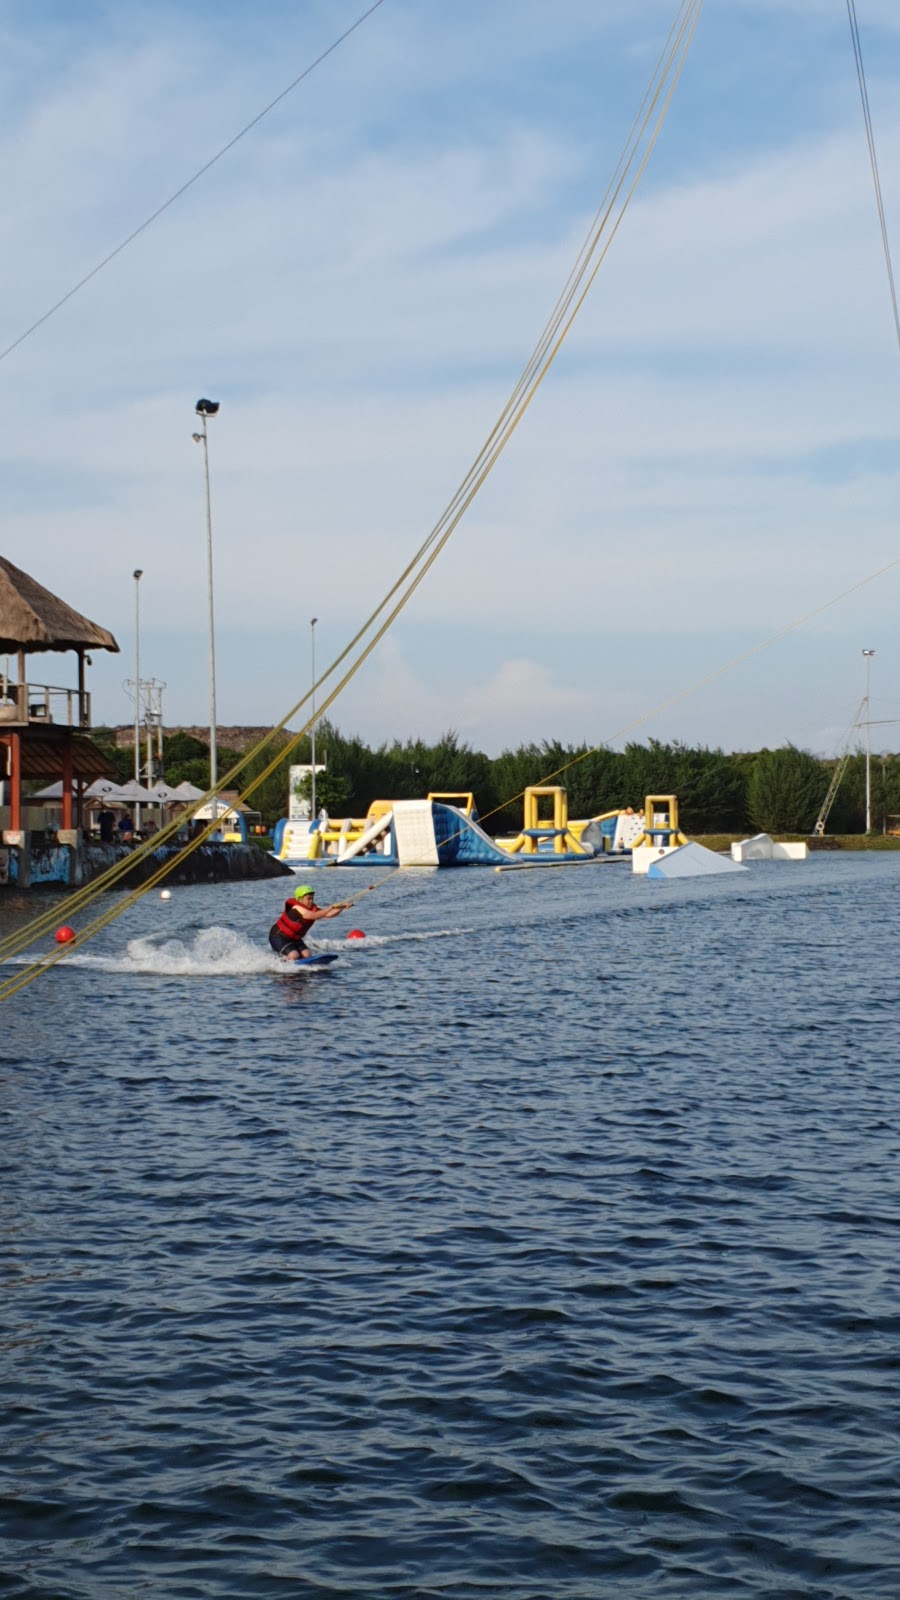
x=134 y=793
x=116 y=794
x=102 y=789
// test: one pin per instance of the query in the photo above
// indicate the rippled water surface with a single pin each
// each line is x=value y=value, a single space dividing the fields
x=544 y=1245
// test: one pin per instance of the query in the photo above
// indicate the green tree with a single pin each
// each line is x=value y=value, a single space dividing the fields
x=848 y=809
x=332 y=792
x=710 y=791
x=513 y=771
x=270 y=795
x=121 y=759
x=785 y=790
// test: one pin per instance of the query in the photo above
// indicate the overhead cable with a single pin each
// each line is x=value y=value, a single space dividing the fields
x=629 y=170
x=873 y=160
x=201 y=172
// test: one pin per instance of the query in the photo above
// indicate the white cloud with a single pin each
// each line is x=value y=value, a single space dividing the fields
x=360 y=282
x=523 y=695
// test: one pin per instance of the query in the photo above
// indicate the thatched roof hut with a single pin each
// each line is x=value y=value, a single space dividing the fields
x=33 y=619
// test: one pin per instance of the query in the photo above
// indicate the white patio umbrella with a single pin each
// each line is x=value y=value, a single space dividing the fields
x=101 y=789
x=53 y=791
x=133 y=793
x=187 y=791
x=162 y=795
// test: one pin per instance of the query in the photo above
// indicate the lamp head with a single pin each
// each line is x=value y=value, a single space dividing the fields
x=197 y=438
x=138 y=573
x=206 y=408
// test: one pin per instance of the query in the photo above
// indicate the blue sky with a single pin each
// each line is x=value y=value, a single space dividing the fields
x=359 y=283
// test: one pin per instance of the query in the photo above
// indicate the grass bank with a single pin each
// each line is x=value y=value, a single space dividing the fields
x=831 y=841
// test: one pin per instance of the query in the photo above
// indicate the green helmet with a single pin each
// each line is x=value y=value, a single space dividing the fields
x=302 y=891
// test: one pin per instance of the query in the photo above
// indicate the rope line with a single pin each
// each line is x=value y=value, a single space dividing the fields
x=12 y=985
x=711 y=677
x=873 y=160
x=201 y=172
x=681 y=694
x=645 y=131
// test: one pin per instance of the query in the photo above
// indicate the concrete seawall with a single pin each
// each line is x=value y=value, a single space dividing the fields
x=209 y=863
x=46 y=865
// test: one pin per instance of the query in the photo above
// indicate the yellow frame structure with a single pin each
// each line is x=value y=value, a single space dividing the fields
x=534 y=828
x=654 y=805
x=453 y=797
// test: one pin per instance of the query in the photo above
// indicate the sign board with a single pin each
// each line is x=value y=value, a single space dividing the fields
x=298 y=805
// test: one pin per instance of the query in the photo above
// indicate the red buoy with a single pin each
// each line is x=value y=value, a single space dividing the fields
x=65 y=935
x=356 y=933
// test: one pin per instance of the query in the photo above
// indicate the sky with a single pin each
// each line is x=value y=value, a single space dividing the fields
x=359 y=283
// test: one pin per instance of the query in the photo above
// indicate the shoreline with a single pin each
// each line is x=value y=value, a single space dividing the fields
x=830 y=841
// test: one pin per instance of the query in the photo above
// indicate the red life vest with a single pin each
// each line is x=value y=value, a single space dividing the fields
x=295 y=927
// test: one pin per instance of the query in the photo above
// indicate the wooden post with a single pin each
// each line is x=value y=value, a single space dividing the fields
x=15 y=781
x=67 y=782
x=82 y=718
x=23 y=689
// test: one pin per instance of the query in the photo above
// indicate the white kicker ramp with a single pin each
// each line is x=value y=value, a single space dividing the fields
x=763 y=848
x=692 y=861
x=646 y=855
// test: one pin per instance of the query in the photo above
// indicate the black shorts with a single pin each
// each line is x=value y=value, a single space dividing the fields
x=281 y=943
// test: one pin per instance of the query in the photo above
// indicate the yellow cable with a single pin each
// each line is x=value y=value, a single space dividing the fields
x=11 y=986
x=718 y=672
x=536 y=369
x=681 y=694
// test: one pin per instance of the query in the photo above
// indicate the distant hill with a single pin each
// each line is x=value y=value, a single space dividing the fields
x=239 y=739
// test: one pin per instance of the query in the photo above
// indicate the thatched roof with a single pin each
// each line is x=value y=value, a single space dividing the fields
x=31 y=618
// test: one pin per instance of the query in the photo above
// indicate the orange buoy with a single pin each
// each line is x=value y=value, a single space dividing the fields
x=356 y=933
x=65 y=935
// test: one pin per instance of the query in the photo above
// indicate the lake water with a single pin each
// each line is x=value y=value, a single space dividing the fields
x=545 y=1245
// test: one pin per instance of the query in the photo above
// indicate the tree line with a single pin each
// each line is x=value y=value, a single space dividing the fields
x=771 y=791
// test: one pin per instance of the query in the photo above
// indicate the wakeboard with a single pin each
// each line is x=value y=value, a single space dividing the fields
x=323 y=960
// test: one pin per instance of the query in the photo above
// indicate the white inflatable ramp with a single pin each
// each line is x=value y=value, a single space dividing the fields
x=462 y=842
x=414 y=833
x=296 y=842
x=375 y=837
x=692 y=861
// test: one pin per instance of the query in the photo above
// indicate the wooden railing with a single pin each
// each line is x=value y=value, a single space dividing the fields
x=33 y=703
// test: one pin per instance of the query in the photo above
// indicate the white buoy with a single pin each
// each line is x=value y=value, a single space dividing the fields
x=165 y=894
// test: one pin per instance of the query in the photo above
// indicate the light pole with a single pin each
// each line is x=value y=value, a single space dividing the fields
x=312 y=731
x=867 y=656
x=138 y=574
x=204 y=409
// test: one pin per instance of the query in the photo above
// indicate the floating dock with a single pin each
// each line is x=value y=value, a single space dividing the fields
x=444 y=831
